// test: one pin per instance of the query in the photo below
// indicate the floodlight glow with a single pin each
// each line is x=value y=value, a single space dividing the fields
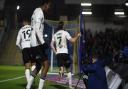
x=126 y=4
x=122 y=16
x=119 y=13
x=86 y=4
x=45 y=35
x=18 y=7
x=87 y=13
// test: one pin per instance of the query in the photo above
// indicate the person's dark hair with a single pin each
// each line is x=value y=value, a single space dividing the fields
x=96 y=52
x=25 y=20
x=45 y=1
x=60 y=25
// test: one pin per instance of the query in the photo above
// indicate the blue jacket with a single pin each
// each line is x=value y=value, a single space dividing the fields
x=96 y=75
x=125 y=52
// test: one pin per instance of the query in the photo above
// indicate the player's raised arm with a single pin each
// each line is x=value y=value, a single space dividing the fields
x=74 y=39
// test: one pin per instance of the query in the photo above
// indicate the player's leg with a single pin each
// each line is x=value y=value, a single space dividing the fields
x=44 y=71
x=42 y=60
x=68 y=69
x=33 y=64
x=33 y=59
x=44 y=56
x=26 y=61
x=35 y=52
x=69 y=76
x=33 y=75
x=40 y=71
x=61 y=71
x=27 y=71
x=60 y=62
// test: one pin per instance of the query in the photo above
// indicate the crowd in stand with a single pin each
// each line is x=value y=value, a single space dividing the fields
x=113 y=44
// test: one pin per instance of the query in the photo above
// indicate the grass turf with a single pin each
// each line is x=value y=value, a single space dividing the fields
x=9 y=72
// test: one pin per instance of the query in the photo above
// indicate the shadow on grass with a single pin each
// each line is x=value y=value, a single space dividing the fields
x=24 y=86
x=59 y=86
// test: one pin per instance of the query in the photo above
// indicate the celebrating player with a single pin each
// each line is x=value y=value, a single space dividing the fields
x=60 y=49
x=23 y=42
x=38 y=44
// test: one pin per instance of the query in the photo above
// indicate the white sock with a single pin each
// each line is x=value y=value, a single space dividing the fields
x=33 y=67
x=27 y=74
x=70 y=79
x=30 y=82
x=40 y=71
x=61 y=73
x=41 y=84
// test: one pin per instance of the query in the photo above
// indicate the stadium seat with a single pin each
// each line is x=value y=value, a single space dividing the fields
x=113 y=79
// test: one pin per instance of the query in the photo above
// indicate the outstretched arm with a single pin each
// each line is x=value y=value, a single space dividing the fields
x=74 y=39
x=89 y=68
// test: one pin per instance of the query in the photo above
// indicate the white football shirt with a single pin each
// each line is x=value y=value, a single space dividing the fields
x=23 y=37
x=37 y=23
x=60 y=38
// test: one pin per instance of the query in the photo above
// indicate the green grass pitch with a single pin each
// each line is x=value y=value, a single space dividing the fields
x=9 y=72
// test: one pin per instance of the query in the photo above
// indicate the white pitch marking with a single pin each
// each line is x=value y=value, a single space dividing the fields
x=6 y=80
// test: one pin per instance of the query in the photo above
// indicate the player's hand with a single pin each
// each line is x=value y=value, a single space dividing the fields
x=79 y=34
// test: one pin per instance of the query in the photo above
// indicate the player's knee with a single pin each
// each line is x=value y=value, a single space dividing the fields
x=68 y=63
x=27 y=66
x=46 y=63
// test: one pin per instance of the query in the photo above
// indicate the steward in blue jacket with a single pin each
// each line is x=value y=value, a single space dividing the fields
x=96 y=74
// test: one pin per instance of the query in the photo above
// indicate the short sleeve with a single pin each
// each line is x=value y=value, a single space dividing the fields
x=68 y=36
x=38 y=16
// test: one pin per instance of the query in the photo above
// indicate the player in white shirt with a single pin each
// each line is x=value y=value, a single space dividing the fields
x=38 y=44
x=59 y=46
x=23 y=42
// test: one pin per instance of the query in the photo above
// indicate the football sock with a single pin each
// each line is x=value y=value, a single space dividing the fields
x=27 y=74
x=41 y=83
x=30 y=82
x=70 y=79
x=33 y=67
x=40 y=71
